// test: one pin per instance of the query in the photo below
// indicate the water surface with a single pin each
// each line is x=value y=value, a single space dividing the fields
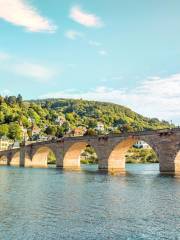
x=54 y=204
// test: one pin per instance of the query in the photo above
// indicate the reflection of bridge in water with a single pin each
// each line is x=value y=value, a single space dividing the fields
x=110 y=149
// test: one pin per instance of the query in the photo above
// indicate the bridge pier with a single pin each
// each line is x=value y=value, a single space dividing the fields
x=59 y=160
x=105 y=166
x=110 y=170
x=108 y=162
x=167 y=168
x=111 y=151
x=166 y=163
x=22 y=156
x=169 y=156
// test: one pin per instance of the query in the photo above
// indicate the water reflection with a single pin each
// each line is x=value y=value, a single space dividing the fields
x=54 y=204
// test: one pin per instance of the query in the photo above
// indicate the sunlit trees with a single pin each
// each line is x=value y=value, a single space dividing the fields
x=4 y=130
x=43 y=113
x=51 y=130
x=15 y=131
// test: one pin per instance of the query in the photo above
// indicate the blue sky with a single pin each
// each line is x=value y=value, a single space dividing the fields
x=126 y=52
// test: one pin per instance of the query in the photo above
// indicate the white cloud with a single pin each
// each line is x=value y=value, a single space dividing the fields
x=4 y=56
x=85 y=18
x=14 y=65
x=34 y=71
x=19 y=12
x=73 y=35
x=103 y=52
x=155 y=97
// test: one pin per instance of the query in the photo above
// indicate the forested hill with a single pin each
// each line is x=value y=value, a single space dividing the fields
x=45 y=113
x=83 y=112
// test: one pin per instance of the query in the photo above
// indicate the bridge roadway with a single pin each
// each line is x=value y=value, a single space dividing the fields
x=110 y=149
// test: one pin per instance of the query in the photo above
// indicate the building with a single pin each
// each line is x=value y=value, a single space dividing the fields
x=25 y=135
x=14 y=145
x=34 y=132
x=5 y=143
x=79 y=131
x=141 y=144
x=100 y=127
x=60 y=120
x=44 y=138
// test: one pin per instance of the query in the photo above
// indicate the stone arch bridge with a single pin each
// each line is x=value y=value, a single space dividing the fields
x=110 y=149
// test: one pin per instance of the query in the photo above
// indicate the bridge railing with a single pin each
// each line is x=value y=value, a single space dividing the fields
x=127 y=134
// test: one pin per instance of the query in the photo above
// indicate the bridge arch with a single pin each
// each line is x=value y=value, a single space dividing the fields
x=40 y=156
x=15 y=159
x=73 y=153
x=4 y=160
x=117 y=157
x=177 y=161
x=27 y=160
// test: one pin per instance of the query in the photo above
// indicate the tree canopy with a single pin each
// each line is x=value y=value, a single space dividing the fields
x=43 y=113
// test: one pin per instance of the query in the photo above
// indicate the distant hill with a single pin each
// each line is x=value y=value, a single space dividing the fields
x=109 y=113
x=57 y=116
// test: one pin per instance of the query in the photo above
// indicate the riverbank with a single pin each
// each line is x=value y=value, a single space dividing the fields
x=134 y=155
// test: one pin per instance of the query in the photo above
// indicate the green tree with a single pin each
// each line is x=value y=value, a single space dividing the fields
x=60 y=132
x=15 y=131
x=66 y=127
x=19 y=99
x=25 y=121
x=90 y=132
x=34 y=115
x=11 y=100
x=51 y=130
x=76 y=112
x=4 y=130
x=92 y=123
x=2 y=118
x=70 y=117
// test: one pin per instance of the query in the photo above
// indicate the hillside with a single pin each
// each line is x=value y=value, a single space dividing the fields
x=58 y=116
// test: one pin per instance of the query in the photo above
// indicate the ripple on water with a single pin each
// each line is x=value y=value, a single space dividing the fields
x=53 y=204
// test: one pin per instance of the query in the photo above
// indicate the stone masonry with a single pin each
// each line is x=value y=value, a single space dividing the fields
x=110 y=149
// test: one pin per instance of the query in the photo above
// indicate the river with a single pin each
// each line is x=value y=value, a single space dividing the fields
x=52 y=204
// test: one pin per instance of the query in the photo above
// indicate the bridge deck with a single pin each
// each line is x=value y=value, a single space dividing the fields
x=105 y=137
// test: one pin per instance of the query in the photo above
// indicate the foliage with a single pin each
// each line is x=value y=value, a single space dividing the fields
x=90 y=132
x=51 y=130
x=89 y=156
x=15 y=131
x=4 y=130
x=134 y=155
x=141 y=155
x=116 y=118
x=51 y=158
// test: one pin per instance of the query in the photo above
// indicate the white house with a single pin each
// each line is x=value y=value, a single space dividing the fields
x=15 y=145
x=5 y=143
x=60 y=120
x=141 y=144
x=100 y=127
